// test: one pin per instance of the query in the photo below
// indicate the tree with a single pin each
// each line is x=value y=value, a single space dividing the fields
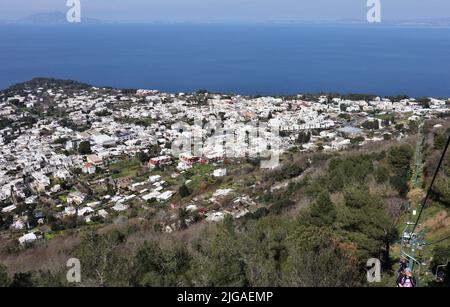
x=371 y=125
x=4 y=278
x=343 y=172
x=153 y=266
x=397 y=98
x=381 y=174
x=442 y=190
x=102 y=266
x=368 y=224
x=322 y=211
x=424 y=102
x=223 y=263
x=440 y=140
x=304 y=137
x=22 y=280
x=3 y=222
x=84 y=148
x=184 y=191
x=399 y=158
x=60 y=141
x=103 y=113
x=4 y=123
x=183 y=215
x=154 y=150
x=143 y=157
x=357 y=198
x=148 y=266
x=316 y=259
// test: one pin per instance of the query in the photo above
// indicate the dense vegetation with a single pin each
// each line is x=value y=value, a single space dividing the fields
x=326 y=244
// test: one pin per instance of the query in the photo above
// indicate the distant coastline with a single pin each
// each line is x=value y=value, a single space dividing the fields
x=47 y=18
x=58 y=18
x=77 y=85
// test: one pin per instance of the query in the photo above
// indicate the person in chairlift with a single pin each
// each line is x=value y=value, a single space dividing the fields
x=406 y=280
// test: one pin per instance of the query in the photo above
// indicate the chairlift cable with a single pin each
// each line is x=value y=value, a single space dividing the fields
x=431 y=185
x=436 y=242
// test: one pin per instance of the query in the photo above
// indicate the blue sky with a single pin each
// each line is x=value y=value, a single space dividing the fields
x=228 y=10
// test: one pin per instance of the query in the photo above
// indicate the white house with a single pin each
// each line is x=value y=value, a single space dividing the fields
x=27 y=239
x=165 y=196
x=76 y=197
x=220 y=172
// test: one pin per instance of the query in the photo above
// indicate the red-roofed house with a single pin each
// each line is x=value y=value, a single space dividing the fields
x=89 y=168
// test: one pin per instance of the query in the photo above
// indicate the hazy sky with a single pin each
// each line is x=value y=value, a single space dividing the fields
x=210 y=10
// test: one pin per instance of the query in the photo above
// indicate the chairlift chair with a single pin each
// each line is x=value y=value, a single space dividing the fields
x=440 y=273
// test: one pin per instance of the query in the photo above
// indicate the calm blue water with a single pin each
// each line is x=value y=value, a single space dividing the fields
x=246 y=59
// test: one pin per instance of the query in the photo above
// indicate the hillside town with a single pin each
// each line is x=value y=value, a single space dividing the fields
x=73 y=155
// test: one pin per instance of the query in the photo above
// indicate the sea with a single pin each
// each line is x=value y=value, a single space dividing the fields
x=247 y=59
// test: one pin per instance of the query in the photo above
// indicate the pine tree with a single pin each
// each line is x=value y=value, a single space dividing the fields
x=323 y=211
